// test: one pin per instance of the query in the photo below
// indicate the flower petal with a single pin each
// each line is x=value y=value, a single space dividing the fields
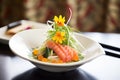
x=56 y=18
x=62 y=33
x=59 y=37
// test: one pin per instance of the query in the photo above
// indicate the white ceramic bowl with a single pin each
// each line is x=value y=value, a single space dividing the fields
x=23 y=42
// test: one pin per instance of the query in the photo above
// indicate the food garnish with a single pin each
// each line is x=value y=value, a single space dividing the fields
x=60 y=46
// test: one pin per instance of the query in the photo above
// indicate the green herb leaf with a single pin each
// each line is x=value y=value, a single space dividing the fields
x=47 y=52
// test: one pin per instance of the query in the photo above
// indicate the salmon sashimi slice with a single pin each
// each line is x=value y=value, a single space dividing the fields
x=64 y=52
x=52 y=45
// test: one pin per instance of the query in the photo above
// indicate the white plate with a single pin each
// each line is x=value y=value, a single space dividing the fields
x=4 y=38
x=22 y=44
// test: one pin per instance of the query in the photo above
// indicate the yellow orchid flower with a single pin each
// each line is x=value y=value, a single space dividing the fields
x=59 y=37
x=59 y=20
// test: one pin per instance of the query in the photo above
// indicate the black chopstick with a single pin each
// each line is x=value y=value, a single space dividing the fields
x=111 y=50
x=13 y=24
x=112 y=53
x=110 y=47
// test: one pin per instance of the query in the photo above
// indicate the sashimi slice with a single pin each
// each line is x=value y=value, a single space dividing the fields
x=64 y=52
x=52 y=45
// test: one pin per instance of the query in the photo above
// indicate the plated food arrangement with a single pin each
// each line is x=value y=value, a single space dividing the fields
x=16 y=27
x=55 y=47
x=60 y=45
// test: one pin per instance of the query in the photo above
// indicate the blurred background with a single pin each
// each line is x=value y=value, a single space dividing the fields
x=88 y=15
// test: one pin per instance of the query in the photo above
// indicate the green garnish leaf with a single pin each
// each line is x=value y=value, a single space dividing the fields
x=47 y=52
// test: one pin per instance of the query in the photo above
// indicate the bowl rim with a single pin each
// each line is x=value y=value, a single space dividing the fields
x=54 y=64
